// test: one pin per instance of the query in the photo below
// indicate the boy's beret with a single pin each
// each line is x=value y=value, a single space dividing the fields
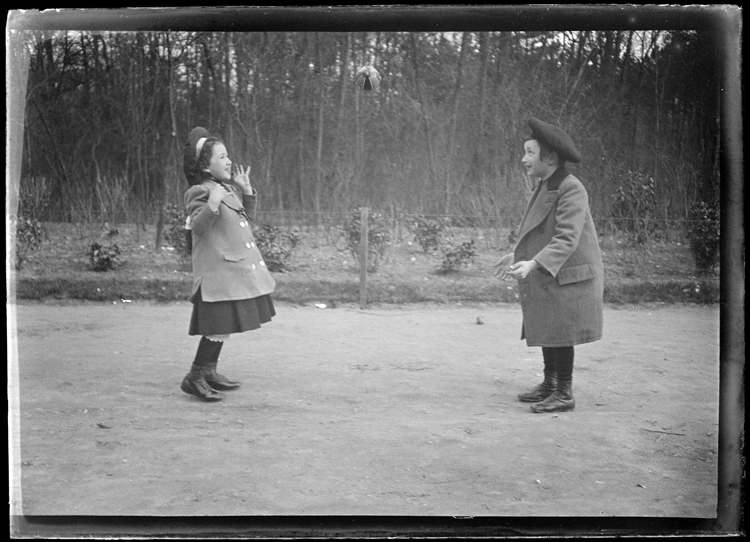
x=556 y=139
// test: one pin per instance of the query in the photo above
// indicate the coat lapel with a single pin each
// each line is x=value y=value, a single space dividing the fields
x=233 y=202
x=541 y=202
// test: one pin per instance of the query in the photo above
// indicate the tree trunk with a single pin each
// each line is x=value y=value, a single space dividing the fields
x=343 y=89
x=227 y=103
x=480 y=135
x=301 y=167
x=321 y=109
x=422 y=109
x=454 y=116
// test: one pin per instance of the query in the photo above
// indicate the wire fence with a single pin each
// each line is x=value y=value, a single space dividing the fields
x=328 y=226
x=295 y=239
x=312 y=218
x=113 y=207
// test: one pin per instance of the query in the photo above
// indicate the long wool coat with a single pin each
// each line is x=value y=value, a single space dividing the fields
x=562 y=300
x=227 y=264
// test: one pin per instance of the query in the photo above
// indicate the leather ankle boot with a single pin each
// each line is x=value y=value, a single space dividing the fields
x=195 y=383
x=219 y=381
x=542 y=391
x=560 y=401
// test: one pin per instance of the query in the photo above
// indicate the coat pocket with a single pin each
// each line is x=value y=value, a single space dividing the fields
x=575 y=273
x=234 y=257
x=541 y=276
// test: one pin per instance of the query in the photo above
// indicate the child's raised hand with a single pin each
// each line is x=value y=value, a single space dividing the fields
x=216 y=194
x=242 y=179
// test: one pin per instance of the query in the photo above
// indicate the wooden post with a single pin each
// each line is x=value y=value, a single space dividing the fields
x=363 y=250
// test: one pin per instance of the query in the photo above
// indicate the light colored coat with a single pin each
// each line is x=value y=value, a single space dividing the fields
x=562 y=300
x=227 y=264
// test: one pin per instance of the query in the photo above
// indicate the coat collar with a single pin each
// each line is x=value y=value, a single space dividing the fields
x=233 y=201
x=554 y=180
x=541 y=202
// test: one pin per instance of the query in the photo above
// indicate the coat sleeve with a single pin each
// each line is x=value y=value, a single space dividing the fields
x=570 y=217
x=250 y=203
x=201 y=215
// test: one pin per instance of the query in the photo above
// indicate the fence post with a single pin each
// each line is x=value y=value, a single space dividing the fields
x=363 y=250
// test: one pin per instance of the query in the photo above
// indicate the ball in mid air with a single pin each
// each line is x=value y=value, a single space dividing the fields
x=367 y=78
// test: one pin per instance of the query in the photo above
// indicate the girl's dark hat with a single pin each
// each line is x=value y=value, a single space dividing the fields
x=189 y=160
x=556 y=139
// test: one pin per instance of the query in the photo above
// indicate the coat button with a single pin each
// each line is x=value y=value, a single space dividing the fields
x=252 y=244
x=243 y=224
x=253 y=266
x=247 y=245
x=262 y=263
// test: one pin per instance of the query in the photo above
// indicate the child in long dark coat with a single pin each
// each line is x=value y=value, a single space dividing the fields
x=558 y=264
x=231 y=284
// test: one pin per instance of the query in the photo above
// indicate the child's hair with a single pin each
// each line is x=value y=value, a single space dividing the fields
x=545 y=149
x=203 y=160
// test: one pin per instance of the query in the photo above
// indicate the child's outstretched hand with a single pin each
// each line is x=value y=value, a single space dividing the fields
x=502 y=267
x=242 y=179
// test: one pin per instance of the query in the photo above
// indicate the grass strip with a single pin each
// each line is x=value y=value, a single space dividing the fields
x=340 y=291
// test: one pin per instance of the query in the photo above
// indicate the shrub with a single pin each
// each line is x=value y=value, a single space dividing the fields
x=455 y=257
x=635 y=207
x=29 y=236
x=104 y=257
x=176 y=234
x=703 y=234
x=277 y=247
x=378 y=237
x=427 y=232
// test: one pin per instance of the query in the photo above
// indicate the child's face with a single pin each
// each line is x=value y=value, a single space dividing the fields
x=532 y=160
x=220 y=166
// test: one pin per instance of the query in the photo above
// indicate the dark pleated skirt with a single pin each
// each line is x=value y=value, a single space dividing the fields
x=225 y=317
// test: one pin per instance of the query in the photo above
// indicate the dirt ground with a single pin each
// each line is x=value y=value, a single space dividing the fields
x=385 y=411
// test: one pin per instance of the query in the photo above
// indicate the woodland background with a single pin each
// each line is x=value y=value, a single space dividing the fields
x=107 y=114
x=104 y=116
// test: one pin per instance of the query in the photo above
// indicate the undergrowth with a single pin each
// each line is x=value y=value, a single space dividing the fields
x=321 y=272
